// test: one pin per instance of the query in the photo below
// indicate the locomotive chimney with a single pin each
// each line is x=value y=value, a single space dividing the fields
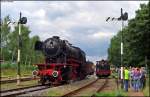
x=66 y=41
x=56 y=37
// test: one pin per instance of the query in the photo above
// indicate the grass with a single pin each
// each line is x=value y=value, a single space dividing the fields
x=105 y=94
x=13 y=72
x=14 y=86
x=116 y=93
x=53 y=93
x=10 y=70
x=146 y=90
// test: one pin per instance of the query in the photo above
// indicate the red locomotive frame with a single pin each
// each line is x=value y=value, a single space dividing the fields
x=53 y=72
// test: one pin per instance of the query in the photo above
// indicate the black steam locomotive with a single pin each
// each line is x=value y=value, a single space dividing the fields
x=63 y=62
x=56 y=50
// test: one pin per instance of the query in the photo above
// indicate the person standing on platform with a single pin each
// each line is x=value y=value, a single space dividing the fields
x=126 y=79
x=136 y=77
x=142 y=78
x=131 y=75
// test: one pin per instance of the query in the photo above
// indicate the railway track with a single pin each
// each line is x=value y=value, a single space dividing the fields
x=92 y=85
x=77 y=92
x=15 y=80
x=19 y=91
x=101 y=88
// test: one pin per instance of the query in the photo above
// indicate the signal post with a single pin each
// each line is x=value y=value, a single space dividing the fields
x=122 y=18
x=22 y=20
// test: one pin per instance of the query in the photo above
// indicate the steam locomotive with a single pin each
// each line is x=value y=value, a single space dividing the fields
x=103 y=68
x=63 y=62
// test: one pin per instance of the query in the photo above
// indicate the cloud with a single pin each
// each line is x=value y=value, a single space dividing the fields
x=103 y=35
x=82 y=23
x=41 y=13
x=96 y=58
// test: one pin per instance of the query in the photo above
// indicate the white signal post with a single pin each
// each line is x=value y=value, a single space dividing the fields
x=121 y=60
x=18 y=59
x=122 y=50
x=122 y=18
x=22 y=20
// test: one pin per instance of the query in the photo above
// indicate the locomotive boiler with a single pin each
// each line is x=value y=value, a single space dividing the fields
x=63 y=62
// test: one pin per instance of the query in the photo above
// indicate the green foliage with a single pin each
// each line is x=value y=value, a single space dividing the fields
x=135 y=38
x=9 y=45
x=8 y=65
x=5 y=31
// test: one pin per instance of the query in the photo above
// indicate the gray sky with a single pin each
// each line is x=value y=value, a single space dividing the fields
x=82 y=23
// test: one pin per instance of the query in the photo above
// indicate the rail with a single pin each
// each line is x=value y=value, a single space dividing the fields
x=15 y=80
x=85 y=87
x=19 y=91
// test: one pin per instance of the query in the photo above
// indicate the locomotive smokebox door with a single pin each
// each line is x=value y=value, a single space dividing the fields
x=52 y=47
x=38 y=45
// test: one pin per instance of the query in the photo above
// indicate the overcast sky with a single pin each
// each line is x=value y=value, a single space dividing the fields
x=82 y=23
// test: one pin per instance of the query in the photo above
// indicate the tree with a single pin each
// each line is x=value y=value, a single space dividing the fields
x=136 y=40
x=9 y=44
x=5 y=31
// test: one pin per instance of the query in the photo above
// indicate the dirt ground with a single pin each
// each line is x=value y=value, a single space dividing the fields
x=131 y=92
x=111 y=86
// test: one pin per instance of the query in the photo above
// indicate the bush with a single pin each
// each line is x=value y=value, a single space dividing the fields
x=10 y=70
x=8 y=65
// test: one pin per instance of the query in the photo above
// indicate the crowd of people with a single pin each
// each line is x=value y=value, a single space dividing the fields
x=134 y=77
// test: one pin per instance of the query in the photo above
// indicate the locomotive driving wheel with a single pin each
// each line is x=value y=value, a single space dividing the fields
x=43 y=80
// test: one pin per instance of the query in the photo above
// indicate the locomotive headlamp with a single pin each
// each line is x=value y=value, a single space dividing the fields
x=34 y=73
x=55 y=73
x=64 y=66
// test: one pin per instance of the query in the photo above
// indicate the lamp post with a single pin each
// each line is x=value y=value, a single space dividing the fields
x=122 y=18
x=22 y=20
